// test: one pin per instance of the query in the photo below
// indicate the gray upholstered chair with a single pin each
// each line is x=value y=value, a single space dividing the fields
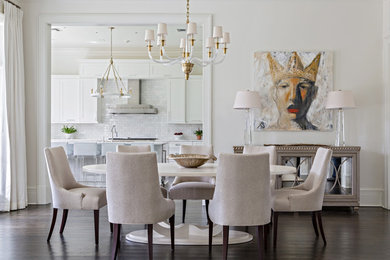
x=134 y=197
x=133 y=148
x=241 y=180
x=306 y=197
x=139 y=149
x=193 y=188
x=67 y=193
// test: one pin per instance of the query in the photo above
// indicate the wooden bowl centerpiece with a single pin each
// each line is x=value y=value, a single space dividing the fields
x=191 y=160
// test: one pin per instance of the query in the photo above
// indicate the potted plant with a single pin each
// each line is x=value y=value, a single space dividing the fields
x=178 y=135
x=198 y=134
x=69 y=131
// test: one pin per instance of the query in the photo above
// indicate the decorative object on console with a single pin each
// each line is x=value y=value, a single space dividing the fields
x=187 y=45
x=69 y=131
x=198 y=133
x=247 y=100
x=178 y=135
x=191 y=160
x=340 y=100
x=101 y=88
x=293 y=87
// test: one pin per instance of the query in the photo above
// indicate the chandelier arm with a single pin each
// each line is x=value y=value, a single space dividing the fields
x=169 y=58
x=164 y=62
x=116 y=74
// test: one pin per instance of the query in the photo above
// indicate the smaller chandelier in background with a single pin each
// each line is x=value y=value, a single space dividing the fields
x=101 y=88
x=216 y=52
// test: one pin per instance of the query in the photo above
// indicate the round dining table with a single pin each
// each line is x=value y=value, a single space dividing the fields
x=189 y=234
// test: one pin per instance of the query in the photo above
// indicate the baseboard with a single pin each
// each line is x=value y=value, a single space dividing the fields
x=38 y=195
x=371 y=197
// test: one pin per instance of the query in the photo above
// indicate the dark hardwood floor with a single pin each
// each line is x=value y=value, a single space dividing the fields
x=365 y=235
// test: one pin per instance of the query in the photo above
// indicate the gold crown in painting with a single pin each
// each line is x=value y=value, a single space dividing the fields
x=294 y=68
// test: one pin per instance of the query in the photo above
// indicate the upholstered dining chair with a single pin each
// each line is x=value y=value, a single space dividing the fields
x=133 y=148
x=67 y=193
x=139 y=149
x=134 y=197
x=241 y=180
x=193 y=188
x=255 y=149
x=306 y=197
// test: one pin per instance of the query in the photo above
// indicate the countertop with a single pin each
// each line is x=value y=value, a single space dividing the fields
x=100 y=141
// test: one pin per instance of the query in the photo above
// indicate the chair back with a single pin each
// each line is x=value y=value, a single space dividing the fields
x=133 y=190
x=319 y=170
x=242 y=191
x=60 y=174
x=197 y=149
x=133 y=148
x=255 y=149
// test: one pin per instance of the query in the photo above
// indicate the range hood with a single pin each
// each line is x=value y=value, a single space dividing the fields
x=133 y=105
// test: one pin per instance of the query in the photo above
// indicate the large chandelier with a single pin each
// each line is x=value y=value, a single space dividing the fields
x=101 y=88
x=216 y=54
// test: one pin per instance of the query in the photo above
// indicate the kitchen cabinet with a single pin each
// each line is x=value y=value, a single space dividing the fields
x=161 y=71
x=71 y=100
x=185 y=101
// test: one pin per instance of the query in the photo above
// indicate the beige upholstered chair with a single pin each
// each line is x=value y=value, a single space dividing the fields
x=67 y=193
x=139 y=149
x=134 y=197
x=241 y=180
x=133 y=148
x=307 y=196
x=193 y=188
x=255 y=149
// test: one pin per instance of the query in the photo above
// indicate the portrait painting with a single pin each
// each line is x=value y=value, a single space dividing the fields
x=293 y=87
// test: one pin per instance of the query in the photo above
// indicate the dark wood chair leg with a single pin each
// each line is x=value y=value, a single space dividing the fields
x=53 y=222
x=184 y=210
x=96 y=221
x=319 y=219
x=275 y=224
x=110 y=227
x=225 y=242
x=64 y=218
x=150 y=241
x=207 y=211
x=266 y=231
x=272 y=216
x=211 y=225
x=314 y=221
x=260 y=232
x=172 y=227
x=116 y=241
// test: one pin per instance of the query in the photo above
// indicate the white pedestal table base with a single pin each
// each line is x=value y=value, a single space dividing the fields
x=187 y=234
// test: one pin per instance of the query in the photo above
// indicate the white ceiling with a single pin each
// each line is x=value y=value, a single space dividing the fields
x=123 y=36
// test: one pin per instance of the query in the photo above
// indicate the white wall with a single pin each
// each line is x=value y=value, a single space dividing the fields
x=351 y=29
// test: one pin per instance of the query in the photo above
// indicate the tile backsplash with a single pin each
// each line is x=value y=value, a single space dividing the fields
x=153 y=92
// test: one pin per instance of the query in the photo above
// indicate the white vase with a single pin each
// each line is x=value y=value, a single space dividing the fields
x=69 y=136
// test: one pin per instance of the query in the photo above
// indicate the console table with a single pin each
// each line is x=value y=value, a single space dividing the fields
x=342 y=186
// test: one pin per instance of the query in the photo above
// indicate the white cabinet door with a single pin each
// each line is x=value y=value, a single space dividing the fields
x=88 y=104
x=55 y=100
x=194 y=99
x=176 y=101
x=69 y=100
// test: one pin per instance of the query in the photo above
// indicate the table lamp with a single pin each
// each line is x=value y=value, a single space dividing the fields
x=340 y=100
x=247 y=100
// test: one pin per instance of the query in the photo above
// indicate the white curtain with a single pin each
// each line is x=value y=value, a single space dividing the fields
x=13 y=186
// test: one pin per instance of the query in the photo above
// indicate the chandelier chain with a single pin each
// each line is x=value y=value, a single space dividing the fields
x=188 y=11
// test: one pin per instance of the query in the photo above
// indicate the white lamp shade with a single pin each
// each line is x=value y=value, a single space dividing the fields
x=191 y=28
x=210 y=42
x=247 y=99
x=340 y=99
x=182 y=43
x=217 y=32
x=162 y=29
x=226 y=37
x=149 y=35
